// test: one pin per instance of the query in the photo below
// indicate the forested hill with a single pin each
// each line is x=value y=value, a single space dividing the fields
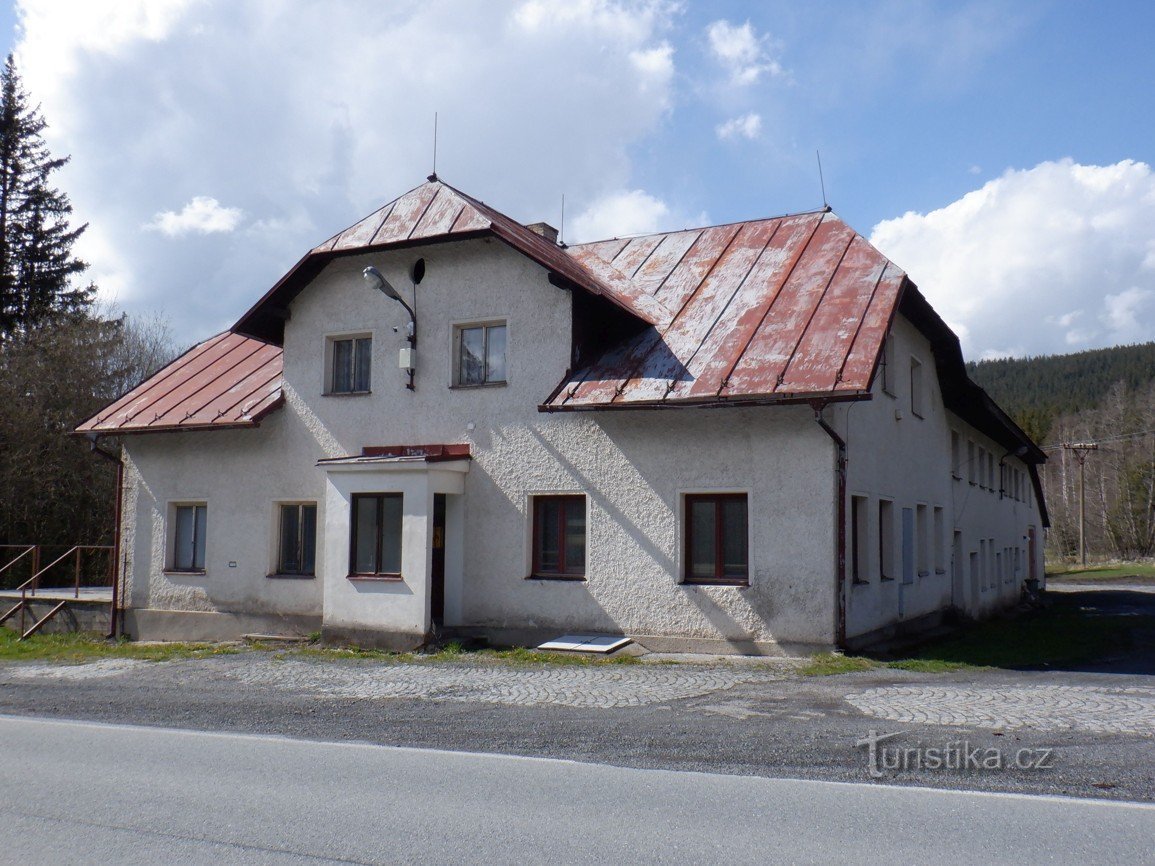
x=1034 y=391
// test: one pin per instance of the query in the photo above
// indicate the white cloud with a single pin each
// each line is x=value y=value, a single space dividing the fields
x=627 y=212
x=746 y=126
x=307 y=116
x=203 y=215
x=1049 y=259
x=741 y=51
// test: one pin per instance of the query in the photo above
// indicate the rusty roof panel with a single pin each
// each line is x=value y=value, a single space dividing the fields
x=818 y=360
x=862 y=360
x=764 y=361
x=769 y=309
x=362 y=233
x=227 y=381
x=754 y=298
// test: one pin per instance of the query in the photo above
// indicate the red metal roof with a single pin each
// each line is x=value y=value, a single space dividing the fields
x=437 y=210
x=227 y=381
x=776 y=309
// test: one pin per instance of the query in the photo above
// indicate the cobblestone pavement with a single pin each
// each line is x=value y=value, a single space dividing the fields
x=601 y=686
x=1041 y=708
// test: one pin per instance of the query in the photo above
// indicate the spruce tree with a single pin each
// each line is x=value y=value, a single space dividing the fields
x=37 y=267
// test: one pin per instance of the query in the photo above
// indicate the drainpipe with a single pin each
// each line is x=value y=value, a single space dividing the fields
x=114 y=619
x=840 y=625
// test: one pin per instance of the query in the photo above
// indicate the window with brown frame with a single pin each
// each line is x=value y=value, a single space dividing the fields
x=375 y=545
x=717 y=539
x=559 y=537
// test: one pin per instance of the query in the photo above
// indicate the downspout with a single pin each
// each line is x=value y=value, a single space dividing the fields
x=840 y=581
x=114 y=619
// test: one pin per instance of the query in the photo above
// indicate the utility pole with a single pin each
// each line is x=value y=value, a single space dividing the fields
x=1080 y=450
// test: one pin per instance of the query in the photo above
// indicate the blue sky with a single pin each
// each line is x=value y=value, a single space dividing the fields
x=999 y=152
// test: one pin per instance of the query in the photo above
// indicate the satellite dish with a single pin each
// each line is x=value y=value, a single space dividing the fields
x=417 y=272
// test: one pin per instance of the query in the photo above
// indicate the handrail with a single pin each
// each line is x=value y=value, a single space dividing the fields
x=35 y=579
x=28 y=548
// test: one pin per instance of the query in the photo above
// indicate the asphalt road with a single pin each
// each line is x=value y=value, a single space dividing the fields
x=81 y=792
x=764 y=723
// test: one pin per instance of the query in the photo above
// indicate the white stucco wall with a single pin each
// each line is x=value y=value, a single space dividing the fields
x=895 y=455
x=634 y=467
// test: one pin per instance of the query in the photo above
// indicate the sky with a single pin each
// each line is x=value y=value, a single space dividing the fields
x=999 y=152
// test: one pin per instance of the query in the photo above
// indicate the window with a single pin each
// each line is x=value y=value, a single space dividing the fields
x=991 y=472
x=191 y=522
x=375 y=549
x=916 y=387
x=859 y=567
x=480 y=354
x=349 y=362
x=716 y=538
x=971 y=461
x=559 y=536
x=297 y=548
x=922 y=539
x=955 y=455
x=886 y=539
x=887 y=372
x=939 y=541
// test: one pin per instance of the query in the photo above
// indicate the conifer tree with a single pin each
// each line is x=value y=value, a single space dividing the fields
x=37 y=267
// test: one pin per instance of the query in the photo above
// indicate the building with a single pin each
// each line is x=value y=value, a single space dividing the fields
x=752 y=437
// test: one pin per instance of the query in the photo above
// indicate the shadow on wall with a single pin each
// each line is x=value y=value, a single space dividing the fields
x=700 y=597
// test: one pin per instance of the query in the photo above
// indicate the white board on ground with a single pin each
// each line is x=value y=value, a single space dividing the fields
x=586 y=643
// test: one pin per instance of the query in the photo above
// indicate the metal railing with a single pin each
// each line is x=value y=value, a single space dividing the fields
x=48 y=579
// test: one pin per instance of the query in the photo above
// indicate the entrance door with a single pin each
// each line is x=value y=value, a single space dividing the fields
x=437 y=575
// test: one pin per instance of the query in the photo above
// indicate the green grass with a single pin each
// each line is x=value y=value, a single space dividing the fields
x=1137 y=572
x=82 y=647
x=1062 y=634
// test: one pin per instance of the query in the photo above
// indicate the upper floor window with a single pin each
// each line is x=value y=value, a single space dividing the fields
x=480 y=354
x=916 y=388
x=189 y=535
x=350 y=359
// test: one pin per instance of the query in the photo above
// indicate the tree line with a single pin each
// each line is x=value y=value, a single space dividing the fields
x=62 y=355
x=1105 y=396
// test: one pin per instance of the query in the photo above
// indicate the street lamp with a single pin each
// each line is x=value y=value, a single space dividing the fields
x=376 y=280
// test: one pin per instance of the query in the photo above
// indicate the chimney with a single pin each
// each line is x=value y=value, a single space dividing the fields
x=545 y=230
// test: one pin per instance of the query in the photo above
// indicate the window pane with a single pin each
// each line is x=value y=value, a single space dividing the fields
x=495 y=354
x=471 y=370
x=390 y=534
x=308 y=539
x=702 y=548
x=575 y=536
x=365 y=535
x=342 y=366
x=364 y=357
x=183 y=555
x=548 y=515
x=734 y=562
x=290 y=540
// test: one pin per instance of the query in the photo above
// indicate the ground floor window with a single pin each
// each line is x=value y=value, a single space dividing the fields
x=559 y=536
x=190 y=533
x=717 y=538
x=297 y=551
x=375 y=549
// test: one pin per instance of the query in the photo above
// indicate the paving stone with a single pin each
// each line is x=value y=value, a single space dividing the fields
x=1042 y=708
x=600 y=686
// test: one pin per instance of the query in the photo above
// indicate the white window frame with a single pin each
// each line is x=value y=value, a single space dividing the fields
x=171 y=563
x=455 y=373
x=331 y=341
